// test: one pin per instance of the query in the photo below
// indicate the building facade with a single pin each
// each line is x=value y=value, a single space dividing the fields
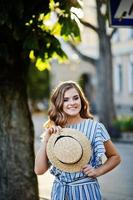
x=123 y=70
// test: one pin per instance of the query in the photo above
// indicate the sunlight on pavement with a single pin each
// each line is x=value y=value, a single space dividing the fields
x=45 y=181
x=45 y=184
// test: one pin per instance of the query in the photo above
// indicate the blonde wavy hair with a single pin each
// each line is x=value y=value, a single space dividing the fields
x=56 y=114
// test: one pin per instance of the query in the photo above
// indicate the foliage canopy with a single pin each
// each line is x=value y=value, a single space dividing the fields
x=34 y=28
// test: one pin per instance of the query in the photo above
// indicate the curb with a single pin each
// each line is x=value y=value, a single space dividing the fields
x=123 y=141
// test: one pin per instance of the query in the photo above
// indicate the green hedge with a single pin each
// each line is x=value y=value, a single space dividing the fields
x=124 y=124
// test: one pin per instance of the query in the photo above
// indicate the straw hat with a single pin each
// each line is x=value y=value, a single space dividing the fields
x=69 y=151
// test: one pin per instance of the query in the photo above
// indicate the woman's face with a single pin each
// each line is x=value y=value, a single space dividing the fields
x=72 y=102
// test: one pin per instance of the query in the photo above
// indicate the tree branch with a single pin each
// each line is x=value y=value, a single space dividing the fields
x=93 y=61
x=87 y=24
x=114 y=31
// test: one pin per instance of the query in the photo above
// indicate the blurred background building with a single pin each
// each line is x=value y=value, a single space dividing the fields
x=78 y=70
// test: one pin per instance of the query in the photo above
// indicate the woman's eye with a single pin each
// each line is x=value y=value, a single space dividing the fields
x=76 y=98
x=65 y=100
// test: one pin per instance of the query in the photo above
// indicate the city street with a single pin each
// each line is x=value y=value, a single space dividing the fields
x=116 y=185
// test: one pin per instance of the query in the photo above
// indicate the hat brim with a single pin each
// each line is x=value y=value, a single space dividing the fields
x=86 y=146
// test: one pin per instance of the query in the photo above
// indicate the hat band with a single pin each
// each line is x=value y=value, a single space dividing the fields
x=61 y=136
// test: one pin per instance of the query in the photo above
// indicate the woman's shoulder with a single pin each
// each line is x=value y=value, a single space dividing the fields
x=48 y=123
x=95 y=121
x=95 y=124
x=92 y=121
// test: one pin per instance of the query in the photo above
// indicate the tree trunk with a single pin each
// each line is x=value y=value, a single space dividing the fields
x=105 y=92
x=17 y=177
x=106 y=106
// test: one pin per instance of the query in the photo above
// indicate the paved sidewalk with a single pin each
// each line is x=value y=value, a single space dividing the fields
x=126 y=138
x=44 y=181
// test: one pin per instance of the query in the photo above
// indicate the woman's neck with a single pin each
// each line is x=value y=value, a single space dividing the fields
x=74 y=119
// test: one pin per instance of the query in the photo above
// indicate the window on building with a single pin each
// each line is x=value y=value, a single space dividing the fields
x=116 y=36
x=130 y=33
x=130 y=78
x=118 y=78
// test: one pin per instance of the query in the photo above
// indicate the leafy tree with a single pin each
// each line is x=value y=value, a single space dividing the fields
x=25 y=31
x=38 y=86
x=103 y=65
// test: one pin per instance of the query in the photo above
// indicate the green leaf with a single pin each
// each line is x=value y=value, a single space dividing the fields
x=69 y=29
x=56 y=30
x=31 y=41
x=42 y=64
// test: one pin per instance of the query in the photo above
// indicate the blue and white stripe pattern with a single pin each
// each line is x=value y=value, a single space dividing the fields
x=78 y=186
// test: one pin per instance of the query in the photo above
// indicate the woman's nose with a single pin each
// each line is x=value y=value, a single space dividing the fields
x=71 y=101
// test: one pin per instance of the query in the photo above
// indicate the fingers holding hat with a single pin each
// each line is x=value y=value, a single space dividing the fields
x=54 y=129
x=49 y=131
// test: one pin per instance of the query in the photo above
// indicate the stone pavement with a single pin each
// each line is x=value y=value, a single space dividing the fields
x=116 y=185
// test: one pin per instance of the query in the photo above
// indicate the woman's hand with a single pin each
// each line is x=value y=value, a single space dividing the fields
x=52 y=130
x=90 y=171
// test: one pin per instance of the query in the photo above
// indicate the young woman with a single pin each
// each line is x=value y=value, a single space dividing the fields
x=69 y=108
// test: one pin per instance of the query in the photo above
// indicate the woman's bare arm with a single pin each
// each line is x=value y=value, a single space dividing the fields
x=113 y=159
x=41 y=160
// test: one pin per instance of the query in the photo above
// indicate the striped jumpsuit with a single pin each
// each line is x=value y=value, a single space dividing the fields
x=76 y=185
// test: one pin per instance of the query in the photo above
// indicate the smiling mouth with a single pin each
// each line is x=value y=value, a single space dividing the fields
x=73 y=108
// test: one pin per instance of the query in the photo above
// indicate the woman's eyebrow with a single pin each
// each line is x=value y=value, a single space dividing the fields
x=76 y=95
